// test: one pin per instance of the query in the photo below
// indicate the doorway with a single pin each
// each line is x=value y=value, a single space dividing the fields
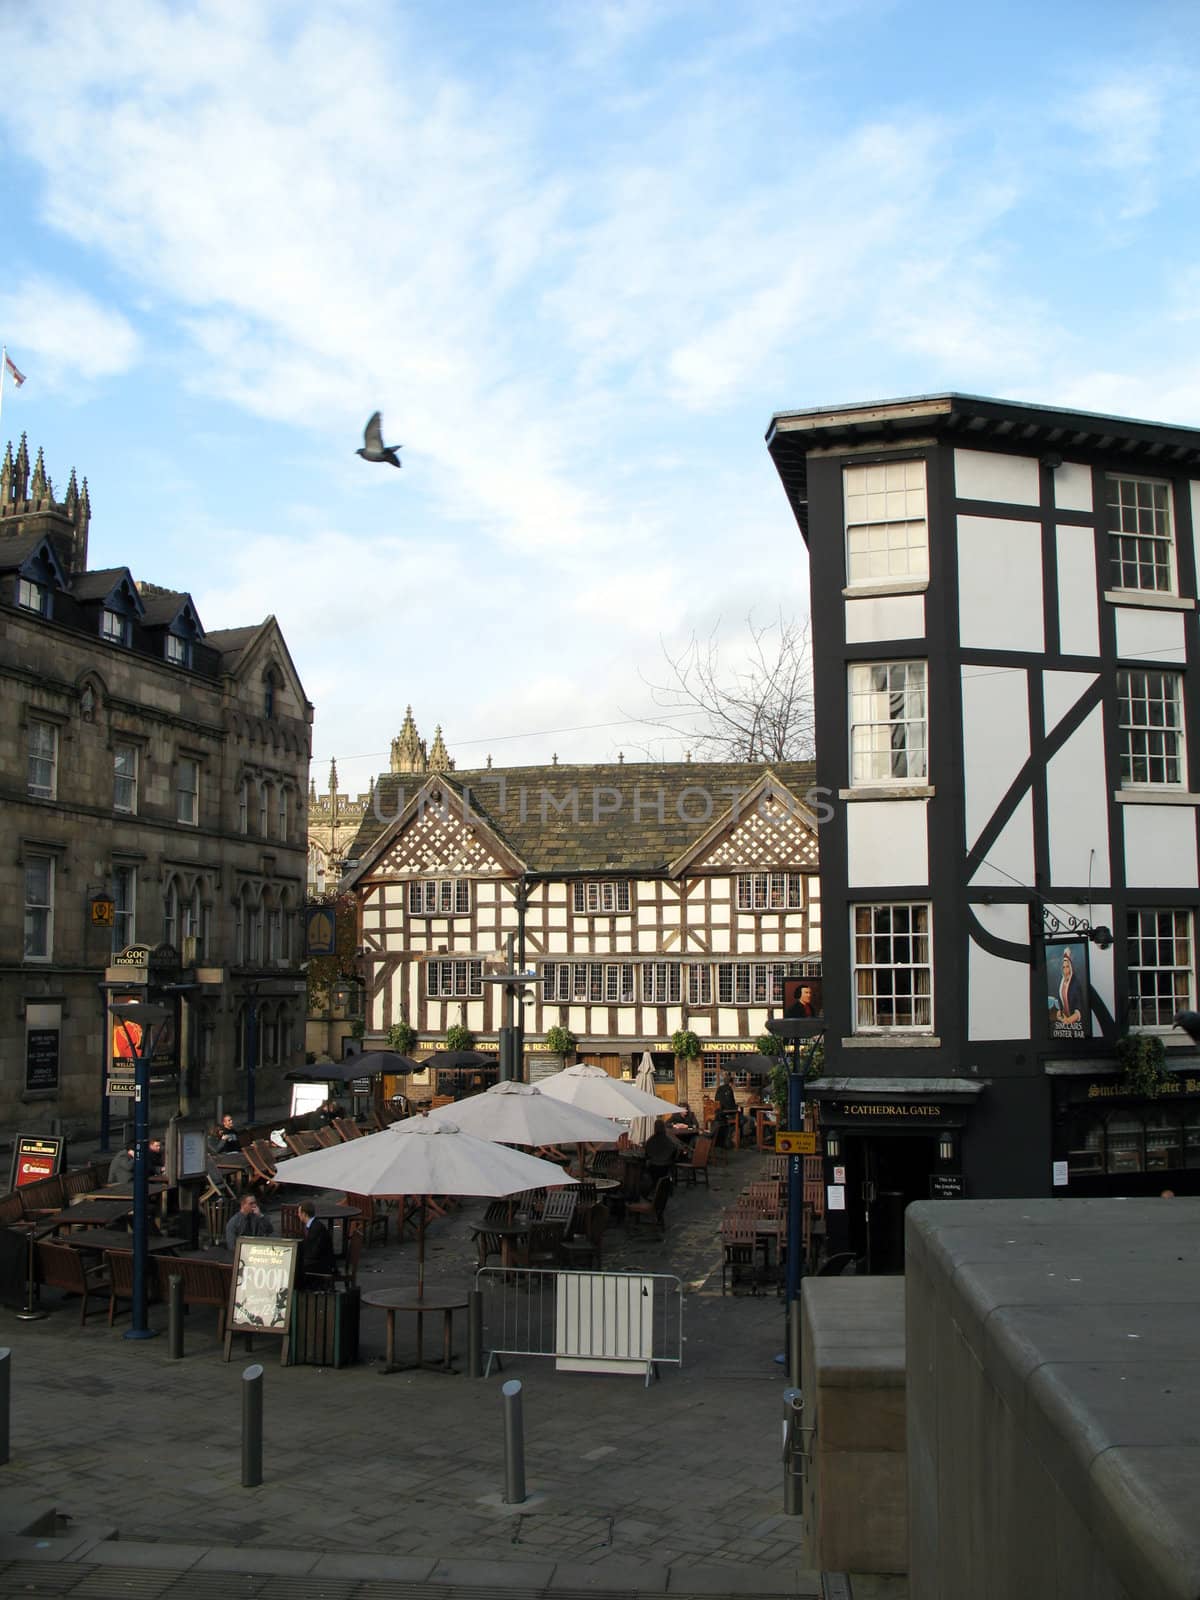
x=885 y=1173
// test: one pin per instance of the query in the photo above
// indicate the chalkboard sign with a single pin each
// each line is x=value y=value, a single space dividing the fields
x=947 y=1186
x=260 y=1296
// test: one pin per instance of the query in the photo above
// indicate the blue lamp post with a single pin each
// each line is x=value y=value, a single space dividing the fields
x=795 y=1032
x=146 y=1018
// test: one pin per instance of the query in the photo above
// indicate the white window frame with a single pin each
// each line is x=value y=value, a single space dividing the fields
x=770 y=891
x=590 y=983
x=699 y=984
x=873 y=736
x=1142 y=545
x=35 y=909
x=39 y=789
x=751 y=983
x=1163 y=987
x=1138 y=733
x=602 y=897
x=661 y=983
x=886 y=522
x=130 y=778
x=187 y=798
x=124 y=905
x=871 y=997
x=453 y=978
x=31 y=596
x=178 y=651
x=439 y=897
x=114 y=626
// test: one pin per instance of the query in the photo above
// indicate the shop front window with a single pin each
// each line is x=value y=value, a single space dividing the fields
x=1164 y=1141
x=1125 y=1143
x=1085 y=1145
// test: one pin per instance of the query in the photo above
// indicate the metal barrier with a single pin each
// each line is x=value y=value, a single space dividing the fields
x=588 y=1321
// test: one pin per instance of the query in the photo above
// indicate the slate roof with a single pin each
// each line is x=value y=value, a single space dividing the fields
x=15 y=547
x=531 y=808
x=99 y=583
x=230 y=643
x=162 y=605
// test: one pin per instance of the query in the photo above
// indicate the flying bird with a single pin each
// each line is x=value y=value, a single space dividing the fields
x=374 y=448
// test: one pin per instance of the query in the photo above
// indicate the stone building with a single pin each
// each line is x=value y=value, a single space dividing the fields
x=154 y=824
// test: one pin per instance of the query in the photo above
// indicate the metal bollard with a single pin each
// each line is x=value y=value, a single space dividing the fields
x=474 y=1333
x=793 y=1411
x=5 y=1399
x=175 y=1317
x=793 y=1333
x=252 y=1427
x=514 y=1444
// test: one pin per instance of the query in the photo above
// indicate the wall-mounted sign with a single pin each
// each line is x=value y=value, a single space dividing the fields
x=41 y=1060
x=133 y=955
x=35 y=1158
x=120 y=1088
x=887 y=1111
x=1060 y=1174
x=1068 y=985
x=320 y=931
x=102 y=910
x=261 y=1293
x=947 y=1186
x=795 y=1144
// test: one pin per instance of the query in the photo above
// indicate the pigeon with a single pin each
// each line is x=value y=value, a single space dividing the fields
x=1189 y=1021
x=374 y=448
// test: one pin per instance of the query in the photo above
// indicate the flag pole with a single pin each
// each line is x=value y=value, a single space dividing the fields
x=3 y=370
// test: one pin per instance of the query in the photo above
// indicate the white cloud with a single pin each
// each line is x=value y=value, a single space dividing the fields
x=59 y=334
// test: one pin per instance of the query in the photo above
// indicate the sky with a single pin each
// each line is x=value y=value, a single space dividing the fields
x=578 y=255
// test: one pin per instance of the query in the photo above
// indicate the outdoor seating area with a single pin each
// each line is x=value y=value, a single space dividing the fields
x=754 y=1234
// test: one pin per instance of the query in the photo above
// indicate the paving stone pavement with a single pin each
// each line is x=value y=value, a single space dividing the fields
x=678 y=1485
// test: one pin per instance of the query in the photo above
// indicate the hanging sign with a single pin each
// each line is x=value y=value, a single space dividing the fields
x=102 y=910
x=1068 y=985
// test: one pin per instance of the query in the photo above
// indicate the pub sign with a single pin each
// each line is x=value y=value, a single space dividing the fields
x=1068 y=985
x=35 y=1158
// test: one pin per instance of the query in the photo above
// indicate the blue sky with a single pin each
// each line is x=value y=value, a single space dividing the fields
x=577 y=254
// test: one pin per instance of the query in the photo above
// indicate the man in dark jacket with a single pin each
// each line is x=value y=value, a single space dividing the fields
x=316 y=1266
x=726 y=1112
x=120 y=1168
x=248 y=1219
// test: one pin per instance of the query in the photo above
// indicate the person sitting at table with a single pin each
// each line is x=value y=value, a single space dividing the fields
x=682 y=1121
x=315 y=1265
x=662 y=1150
x=156 y=1159
x=120 y=1168
x=224 y=1140
x=247 y=1219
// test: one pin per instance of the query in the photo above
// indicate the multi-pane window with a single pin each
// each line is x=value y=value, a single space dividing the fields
x=1159 y=952
x=588 y=982
x=699 y=985
x=770 y=891
x=250 y=928
x=1141 y=545
x=893 y=967
x=171 y=914
x=283 y=812
x=31 y=596
x=178 y=651
x=244 y=806
x=440 y=897
x=194 y=924
x=660 y=983
x=275 y=933
x=1150 y=726
x=602 y=896
x=42 y=769
x=124 y=893
x=125 y=777
x=114 y=627
x=264 y=808
x=453 y=980
x=751 y=983
x=887 y=535
x=187 y=791
x=889 y=724
x=39 y=907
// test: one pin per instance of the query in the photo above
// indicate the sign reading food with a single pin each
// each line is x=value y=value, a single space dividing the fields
x=260 y=1296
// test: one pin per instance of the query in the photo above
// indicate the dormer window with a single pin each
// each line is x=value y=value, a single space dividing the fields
x=178 y=651
x=31 y=596
x=114 y=627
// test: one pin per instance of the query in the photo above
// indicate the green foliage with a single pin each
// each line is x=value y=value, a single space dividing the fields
x=324 y=972
x=685 y=1044
x=401 y=1037
x=812 y=1062
x=1143 y=1060
x=358 y=1028
x=459 y=1037
x=769 y=1045
x=560 y=1041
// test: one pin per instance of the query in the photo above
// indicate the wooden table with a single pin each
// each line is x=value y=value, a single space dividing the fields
x=407 y=1300
x=91 y=1214
x=765 y=1117
x=508 y=1233
x=112 y=1239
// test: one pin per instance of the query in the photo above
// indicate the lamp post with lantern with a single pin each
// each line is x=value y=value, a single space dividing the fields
x=137 y=1015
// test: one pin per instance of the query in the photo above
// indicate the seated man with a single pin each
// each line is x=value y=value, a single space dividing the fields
x=682 y=1122
x=662 y=1150
x=120 y=1168
x=315 y=1266
x=156 y=1159
x=248 y=1219
x=223 y=1140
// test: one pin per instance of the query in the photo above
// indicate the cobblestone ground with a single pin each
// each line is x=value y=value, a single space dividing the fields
x=685 y=1473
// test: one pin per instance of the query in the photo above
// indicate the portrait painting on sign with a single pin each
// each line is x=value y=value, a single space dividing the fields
x=802 y=998
x=1068 y=1000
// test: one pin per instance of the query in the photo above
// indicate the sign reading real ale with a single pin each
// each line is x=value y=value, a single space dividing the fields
x=34 y=1159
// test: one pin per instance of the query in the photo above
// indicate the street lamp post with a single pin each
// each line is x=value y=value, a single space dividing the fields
x=147 y=1018
x=795 y=1031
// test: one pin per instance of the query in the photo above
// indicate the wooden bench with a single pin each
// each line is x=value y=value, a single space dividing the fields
x=60 y=1267
x=205 y=1283
x=42 y=1198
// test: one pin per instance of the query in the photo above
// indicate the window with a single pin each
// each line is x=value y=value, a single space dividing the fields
x=194 y=925
x=440 y=897
x=751 y=983
x=39 y=907
x=42 y=779
x=587 y=982
x=171 y=914
x=124 y=893
x=187 y=791
x=269 y=695
x=699 y=986
x=893 y=968
x=114 y=627
x=453 y=980
x=1141 y=546
x=244 y=807
x=1159 y=953
x=888 y=723
x=178 y=651
x=660 y=983
x=264 y=808
x=125 y=777
x=887 y=537
x=598 y=897
x=31 y=596
x=283 y=812
x=274 y=933
x=1150 y=723
x=250 y=928
x=770 y=891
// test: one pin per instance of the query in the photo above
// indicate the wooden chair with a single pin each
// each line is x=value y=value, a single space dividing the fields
x=559 y=1206
x=262 y=1173
x=120 y=1274
x=741 y=1254
x=488 y=1245
x=11 y=1209
x=606 y=1163
x=217 y=1210
x=294 y=1144
x=542 y=1244
x=653 y=1211
x=328 y=1137
x=353 y=1256
x=290 y=1226
x=218 y=1183
x=587 y=1249
x=44 y=1198
x=205 y=1283
x=348 y=1128
x=374 y=1223
x=81 y=1181
x=698 y=1166
x=61 y=1267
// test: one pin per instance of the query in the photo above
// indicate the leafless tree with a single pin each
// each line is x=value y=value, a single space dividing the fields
x=750 y=701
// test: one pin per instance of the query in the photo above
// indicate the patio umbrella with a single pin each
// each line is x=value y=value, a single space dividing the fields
x=519 y=1113
x=759 y=1066
x=422 y=1157
x=641 y=1128
x=594 y=1090
x=363 y=1066
x=451 y=1059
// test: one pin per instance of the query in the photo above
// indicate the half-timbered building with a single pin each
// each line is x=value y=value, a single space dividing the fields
x=1004 y=626
x=645 y=899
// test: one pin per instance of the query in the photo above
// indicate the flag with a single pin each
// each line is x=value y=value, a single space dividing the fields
x=17 y=377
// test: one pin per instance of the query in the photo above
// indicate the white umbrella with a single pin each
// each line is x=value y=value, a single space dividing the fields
x=641 y=1128
x=519 y=1113
x=594 y=1090
x=422 y=1157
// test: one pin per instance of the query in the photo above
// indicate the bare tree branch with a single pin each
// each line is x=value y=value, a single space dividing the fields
x=758 y=708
